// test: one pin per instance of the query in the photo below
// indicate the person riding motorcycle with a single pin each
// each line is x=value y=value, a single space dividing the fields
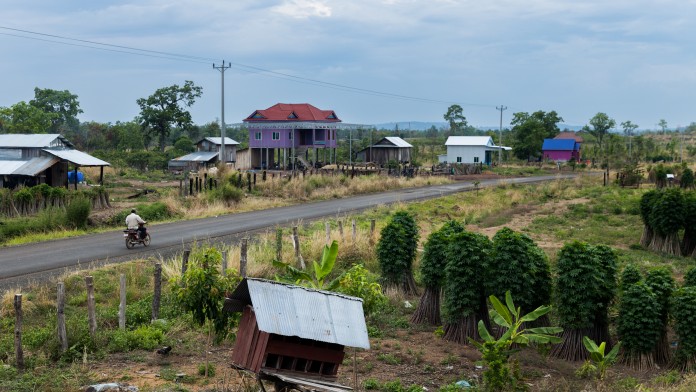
x=135 y=222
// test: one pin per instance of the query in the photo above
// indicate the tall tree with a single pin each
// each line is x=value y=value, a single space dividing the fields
x=161 y=110
x=24 y=118
x=601 y=124
x=530 y=130
x=455 y=118
x=629 y=128
x=663 y=126
x=62 y=103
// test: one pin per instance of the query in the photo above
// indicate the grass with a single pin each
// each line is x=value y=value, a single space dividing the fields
x=558 y=212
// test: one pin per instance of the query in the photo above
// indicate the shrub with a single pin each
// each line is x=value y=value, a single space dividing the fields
x=202 y=368
x=77 y=212
x=361 y=283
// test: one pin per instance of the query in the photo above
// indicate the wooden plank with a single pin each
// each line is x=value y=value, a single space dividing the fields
x=244 y=337
x=321 y=384
x=260 y=351
x=291 y=349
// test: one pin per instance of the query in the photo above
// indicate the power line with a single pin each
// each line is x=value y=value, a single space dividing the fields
x=206 y=60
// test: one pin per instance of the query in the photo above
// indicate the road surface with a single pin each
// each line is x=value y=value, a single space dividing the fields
x=22 y=264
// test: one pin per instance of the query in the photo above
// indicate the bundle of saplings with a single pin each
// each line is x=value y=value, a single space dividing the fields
x=666 y=219
x=607 y=261
x=432 y=269
x=690 y=278
x=465 y=299
x=396 y=251
x=646 y=204
x=662 y=284
x=519 y=266
x=639 y=325
x=582 y=275
x=683 y=310
x=688 y=244
x=687 y=179
x=630 y=275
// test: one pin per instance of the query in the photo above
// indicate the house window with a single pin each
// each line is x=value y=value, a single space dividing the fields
x=476 y=159
x=276 y=135
x=257 y=136
x=290 y=135
x=459 y=159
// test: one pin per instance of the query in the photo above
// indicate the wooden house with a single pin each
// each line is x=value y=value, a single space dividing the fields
x=207 y=154
x=471 y=149
x=294 y=331
x=32 y=159
x=390 y=148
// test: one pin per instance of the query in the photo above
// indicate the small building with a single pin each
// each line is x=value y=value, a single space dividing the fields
x=390 y=148
x=285 y=133
x=561 y=150
x=33 y=159
x=294 y=331
x=207 y=154
x=471 y=149
x=569 y=135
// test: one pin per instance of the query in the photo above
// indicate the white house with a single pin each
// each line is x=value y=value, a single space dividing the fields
x=471 y=149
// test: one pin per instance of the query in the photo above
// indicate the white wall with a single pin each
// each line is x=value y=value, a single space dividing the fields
x=467 y=153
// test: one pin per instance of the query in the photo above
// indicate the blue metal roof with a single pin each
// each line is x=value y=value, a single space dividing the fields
x=560 y=145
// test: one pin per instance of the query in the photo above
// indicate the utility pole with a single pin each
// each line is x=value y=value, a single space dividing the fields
x=222 y=69
x=500 y=134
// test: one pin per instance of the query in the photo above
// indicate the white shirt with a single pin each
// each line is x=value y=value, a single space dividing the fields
x=132 y=220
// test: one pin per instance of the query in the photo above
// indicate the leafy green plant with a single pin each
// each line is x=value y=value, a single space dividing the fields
x=639 y=324
x=662 y=284
x=683 y=310
x=630 y=275
x=646 y=204
x=396 y=251
x=496 y=352
x=667 y=218
x=690 y=278
x=321 y=270
x=601 y=361
x=361 y=283
x=77 y=212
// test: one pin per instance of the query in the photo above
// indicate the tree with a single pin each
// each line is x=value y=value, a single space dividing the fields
x=164 y=108
x=24 y=118
x=529 y=131
x=601 y=124
x=629 y=128
x=62 y=103
x=663 y=126
x=455 y=118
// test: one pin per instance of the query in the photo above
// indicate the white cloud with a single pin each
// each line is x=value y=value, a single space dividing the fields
x=302 y=9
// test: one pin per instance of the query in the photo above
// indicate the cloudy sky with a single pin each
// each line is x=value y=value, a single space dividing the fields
x=372 y=61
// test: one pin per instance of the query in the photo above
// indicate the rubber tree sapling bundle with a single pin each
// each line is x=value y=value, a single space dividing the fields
x=683 y=310
x=580 y=278
x=662 y=284
x=639 y=325
x=464 y=294
x=630 y=275
x=690 y=278
x=687 y=179
x=396 y=251
x=667 y=218
x=646 y=204
x=688 y=243
x=432 y=268
x=607 y=262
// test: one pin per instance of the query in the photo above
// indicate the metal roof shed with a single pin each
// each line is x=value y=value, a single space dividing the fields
x=293 y=330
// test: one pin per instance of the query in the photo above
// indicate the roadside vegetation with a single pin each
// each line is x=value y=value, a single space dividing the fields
x=404 y=356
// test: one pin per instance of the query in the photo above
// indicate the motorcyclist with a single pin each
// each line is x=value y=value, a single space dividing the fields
x=135 y=222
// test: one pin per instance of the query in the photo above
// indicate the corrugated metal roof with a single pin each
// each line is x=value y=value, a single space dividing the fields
x=217 y=140
x=290 y=310
x=559 y=145
x=397 y=141
x=35 y=166
x=198 y=156
x=9 y=167
x=37 y=140
x=469 y=141
x=77 y=157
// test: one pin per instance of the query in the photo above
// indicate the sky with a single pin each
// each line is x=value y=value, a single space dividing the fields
x=371 y=61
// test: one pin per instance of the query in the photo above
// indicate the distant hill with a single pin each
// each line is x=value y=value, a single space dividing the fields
x=424 y=125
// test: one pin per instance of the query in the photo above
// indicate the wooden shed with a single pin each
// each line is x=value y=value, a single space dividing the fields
x=294 y=331
x=390 y=148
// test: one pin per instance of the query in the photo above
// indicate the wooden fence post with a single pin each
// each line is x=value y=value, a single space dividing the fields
x=19 y=316
x=296 y=244
x=279 y=244
x=60 y=307
x=354 y=230
x=224 y=263
x=122 y=303
x=243 y=258
x=184 y=261
x=91 y=307
x=340 y=229
x=158 y=291
x=328 y=233
x=372 y=230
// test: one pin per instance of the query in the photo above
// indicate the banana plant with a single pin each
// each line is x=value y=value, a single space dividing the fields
x=321 y=270
x=601 y=361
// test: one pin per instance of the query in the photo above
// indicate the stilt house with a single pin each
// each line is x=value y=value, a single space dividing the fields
x=294 y=331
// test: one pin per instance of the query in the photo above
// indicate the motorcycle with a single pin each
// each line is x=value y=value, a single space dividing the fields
x=132 y=237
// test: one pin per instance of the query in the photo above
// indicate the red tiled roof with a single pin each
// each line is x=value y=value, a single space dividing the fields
x=569 y=135
x=293 y=112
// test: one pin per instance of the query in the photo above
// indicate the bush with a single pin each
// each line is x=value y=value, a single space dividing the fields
x=359 y=282
x=227 y=193
x=77 y=212
x=211 y=370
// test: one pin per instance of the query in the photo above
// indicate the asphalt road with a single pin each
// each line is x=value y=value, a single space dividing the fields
x=20 y=265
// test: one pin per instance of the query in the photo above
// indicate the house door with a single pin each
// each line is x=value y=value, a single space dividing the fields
x=488 y=158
